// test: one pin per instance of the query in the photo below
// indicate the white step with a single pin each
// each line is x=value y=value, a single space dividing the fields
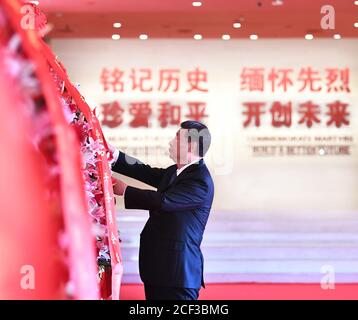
x=263 y=247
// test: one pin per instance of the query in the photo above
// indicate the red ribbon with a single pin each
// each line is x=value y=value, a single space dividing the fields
x=28 y=232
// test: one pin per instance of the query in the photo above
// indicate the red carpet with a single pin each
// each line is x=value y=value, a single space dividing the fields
x=245 y=291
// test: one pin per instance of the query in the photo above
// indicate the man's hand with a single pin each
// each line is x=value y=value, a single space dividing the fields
x=119 y=187
x=114 y=151
x=111 y=148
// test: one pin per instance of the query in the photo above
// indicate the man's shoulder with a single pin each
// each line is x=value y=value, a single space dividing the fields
x=202 y=173
x=207 y=174
x=171 y=168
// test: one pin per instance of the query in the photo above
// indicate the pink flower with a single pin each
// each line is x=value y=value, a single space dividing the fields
x=104 y=253
x=21 y=70
x=99 y=230
x=97 y=213
x=95 y=146
x=69 y=114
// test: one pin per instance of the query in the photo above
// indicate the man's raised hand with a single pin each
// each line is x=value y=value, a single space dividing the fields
x=119 y=187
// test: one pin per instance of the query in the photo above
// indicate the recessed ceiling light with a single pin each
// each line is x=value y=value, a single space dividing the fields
x=277 y=2
x=117 y=25
x=196 y=4
x=237 y=25
x=254 y=37
x=116 y=36
x=226 y=37
x=356 y=25
x=143 y=37
x=309 y=36
x=337 y=37
x=356 y=3
x=198 y=37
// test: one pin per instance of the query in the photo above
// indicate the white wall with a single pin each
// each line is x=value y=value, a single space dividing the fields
x=243 y=182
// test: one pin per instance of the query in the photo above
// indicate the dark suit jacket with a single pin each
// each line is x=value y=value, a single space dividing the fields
x=169 y=253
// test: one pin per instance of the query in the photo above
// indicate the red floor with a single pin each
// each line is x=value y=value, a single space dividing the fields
x=245 y=291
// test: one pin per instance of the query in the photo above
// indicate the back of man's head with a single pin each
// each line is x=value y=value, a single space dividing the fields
x=199 y=133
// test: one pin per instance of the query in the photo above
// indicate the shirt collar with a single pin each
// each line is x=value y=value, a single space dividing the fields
x=179 y=171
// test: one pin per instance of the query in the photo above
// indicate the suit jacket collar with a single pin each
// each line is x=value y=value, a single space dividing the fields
x=182 y=169
x=182 y=175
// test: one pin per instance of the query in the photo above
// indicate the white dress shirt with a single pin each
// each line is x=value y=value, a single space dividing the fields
x=115 y=155
x=179 y=171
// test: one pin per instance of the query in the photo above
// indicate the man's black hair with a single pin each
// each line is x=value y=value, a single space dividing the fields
x=198 y=132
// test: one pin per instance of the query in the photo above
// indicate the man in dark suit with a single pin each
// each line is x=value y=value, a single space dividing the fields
x=170 y=259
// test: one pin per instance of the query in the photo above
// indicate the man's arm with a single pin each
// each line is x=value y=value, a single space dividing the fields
x=188 y=194
x=133 y=168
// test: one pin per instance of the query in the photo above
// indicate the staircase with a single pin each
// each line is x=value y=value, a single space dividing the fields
x=263 y=247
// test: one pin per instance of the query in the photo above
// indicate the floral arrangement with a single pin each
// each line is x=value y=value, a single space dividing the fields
x=92 y=148
x=48 y=106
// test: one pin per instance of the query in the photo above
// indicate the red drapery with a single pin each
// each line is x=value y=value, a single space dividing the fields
x=29 y=227
x=81 y=256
